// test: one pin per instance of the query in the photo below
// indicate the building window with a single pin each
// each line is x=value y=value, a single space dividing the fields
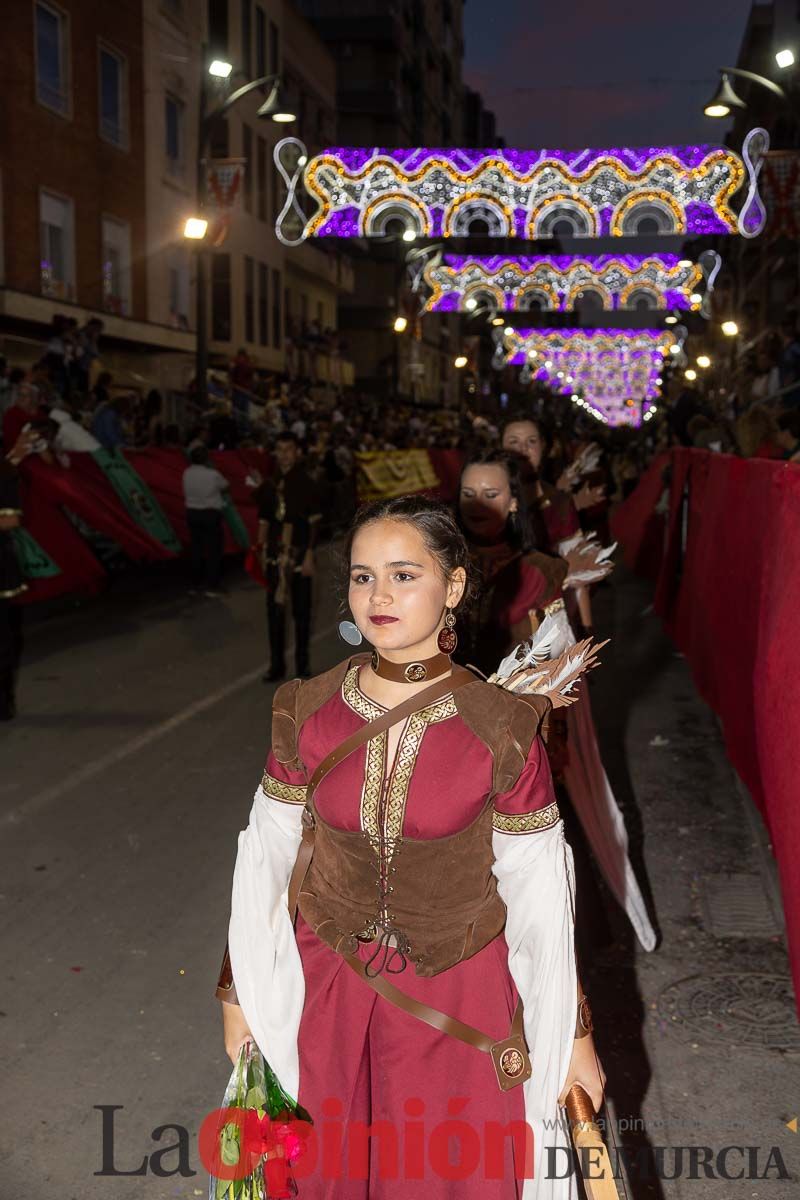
x=113 y=97
x=175 y=135
x=261 y=179
x=263 y=305
x=249 y=299
x=116 y=266
x=221 y=297
x=247 y=35
x=261 y=42
x=274 y=48
x=57 y=246
x=277 y=315
x=247 y=152
x=52 y=58
x=178 y=288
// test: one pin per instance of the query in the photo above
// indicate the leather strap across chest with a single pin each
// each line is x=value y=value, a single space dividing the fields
x=442 y=687
x=392 y=716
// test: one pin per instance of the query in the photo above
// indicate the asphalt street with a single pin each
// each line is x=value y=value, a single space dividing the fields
x=142 y=734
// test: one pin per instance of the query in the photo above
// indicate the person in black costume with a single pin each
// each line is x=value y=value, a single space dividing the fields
x=290 y=511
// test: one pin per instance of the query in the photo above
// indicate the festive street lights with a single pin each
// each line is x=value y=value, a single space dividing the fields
x=196 y=227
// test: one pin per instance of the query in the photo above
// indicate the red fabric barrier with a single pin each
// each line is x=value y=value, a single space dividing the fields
x=637 y=526
x=83 y=488
x=80 y=571
x=729 y=598
x=776 y=692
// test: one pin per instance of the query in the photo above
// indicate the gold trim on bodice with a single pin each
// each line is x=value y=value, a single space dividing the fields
x=385 y=821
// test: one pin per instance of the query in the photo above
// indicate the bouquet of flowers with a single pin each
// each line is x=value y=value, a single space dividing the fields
x=259 y=1136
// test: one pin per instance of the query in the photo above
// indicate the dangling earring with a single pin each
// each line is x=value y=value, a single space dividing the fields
x=448 y=639
x=350 y=633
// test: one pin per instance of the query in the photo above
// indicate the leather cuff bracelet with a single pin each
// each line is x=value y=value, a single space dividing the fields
x=584 y=1024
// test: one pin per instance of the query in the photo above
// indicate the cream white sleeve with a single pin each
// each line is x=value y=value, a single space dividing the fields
x=265 y=960
x=535 y=879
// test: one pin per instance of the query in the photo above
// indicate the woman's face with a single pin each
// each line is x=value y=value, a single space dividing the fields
x=523 y=438
x=485 y=500
x=397 y=594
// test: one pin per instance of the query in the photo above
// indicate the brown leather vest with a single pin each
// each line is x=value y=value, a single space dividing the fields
x=438 y=894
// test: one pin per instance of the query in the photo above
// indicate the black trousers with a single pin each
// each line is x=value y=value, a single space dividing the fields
x=10 y=650
x=300 y=591
x=205 y=529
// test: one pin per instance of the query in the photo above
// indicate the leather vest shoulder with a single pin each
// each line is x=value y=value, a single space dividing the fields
x=295 y=701
x=506 y=723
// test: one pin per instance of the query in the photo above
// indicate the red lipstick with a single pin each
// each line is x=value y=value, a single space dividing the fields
x=383 y=620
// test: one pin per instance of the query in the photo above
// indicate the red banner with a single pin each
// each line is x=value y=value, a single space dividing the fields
x=728 y=590
x=51 y=492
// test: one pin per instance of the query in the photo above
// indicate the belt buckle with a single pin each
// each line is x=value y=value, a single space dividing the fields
x=511 y=1061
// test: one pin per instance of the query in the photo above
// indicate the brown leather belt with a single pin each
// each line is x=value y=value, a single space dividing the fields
x=509 y=1056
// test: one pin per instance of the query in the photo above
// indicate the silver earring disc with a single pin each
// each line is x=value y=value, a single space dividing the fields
x=350 y=633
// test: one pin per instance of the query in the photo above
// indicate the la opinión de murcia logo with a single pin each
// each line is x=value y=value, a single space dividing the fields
x=454 y=1149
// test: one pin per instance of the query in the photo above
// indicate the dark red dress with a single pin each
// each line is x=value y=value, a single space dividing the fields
x=361 y=1059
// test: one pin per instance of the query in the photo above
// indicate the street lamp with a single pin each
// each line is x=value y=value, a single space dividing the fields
x=195 y=228
x=730 y=328
x=460 y=361
x=274 y=108
x=690 y=375
x=785 y=58
x=400 y=324
x=725 y=98
x=703 y=361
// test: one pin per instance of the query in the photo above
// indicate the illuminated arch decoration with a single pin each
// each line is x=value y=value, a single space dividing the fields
x=557 y=282
x=531 y=193
x=607 y=368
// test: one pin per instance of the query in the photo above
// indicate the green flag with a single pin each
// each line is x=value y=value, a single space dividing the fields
x=139 y=501
x=34 y=562
x=235 y=523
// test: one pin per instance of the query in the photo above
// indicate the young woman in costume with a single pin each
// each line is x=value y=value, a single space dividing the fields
x=428 y=863
x=516 y=581
x=554 y=517
x=491 y=509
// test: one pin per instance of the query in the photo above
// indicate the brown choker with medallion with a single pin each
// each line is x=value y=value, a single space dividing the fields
x=411 y=672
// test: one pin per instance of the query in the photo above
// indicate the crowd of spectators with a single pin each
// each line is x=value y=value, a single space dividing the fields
x=75 y=404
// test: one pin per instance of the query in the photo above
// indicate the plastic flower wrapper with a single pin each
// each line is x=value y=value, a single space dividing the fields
x=260 y=1133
